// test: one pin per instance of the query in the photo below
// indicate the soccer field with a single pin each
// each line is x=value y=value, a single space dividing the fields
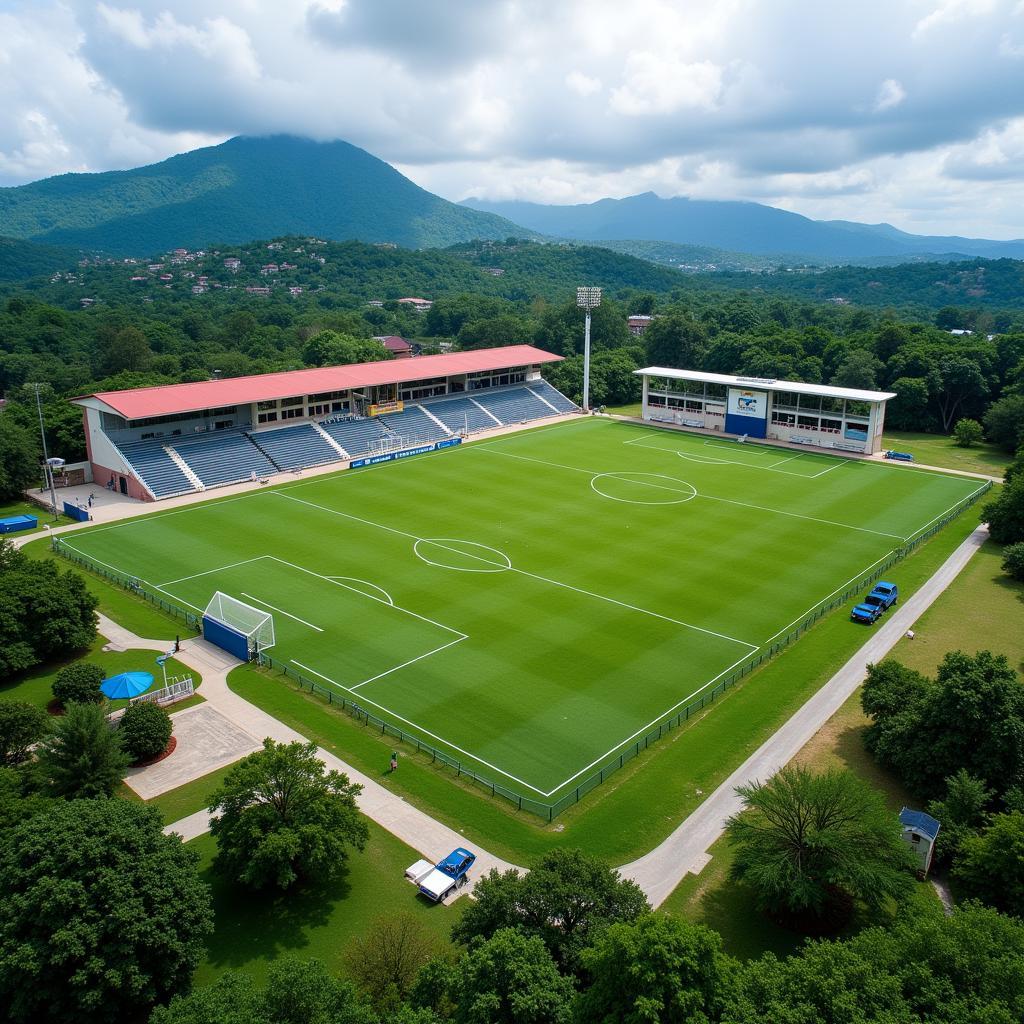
x=533 y=603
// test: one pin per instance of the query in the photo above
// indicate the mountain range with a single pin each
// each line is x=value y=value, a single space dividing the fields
x=742 y=227
x=257 y=188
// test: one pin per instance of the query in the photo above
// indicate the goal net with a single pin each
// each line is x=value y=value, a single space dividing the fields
x=240 y=628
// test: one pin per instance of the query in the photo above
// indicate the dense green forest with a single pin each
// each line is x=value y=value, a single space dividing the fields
x=188 y=316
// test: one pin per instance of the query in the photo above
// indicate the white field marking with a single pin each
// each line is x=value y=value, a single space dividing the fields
x=535 y=576
x=387 y=598
x=643 y=728
x=797 y=515
x=827 y=469
x=379 y=600
x=856 y=576
x=274 y=608
x=426 y=732
x=712 y=460
x=199 y=506
x=688 y=495
x=921 y=529
x=753 y=449
x=799 y=455
x=220 y=568
x=411 y=661
x=712 y=497
x=437 y=542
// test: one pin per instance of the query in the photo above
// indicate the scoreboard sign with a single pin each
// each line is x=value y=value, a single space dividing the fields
x=383 y=408
x=746 y=412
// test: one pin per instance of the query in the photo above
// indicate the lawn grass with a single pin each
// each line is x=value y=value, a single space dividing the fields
x=179 y=803
x=982 y=610
x=638 y=806
x=127 y=609
x=632 y=409
x=36 y=685
x=316 y=920
x=423 y=589
x=939 y=450
x=28 y=508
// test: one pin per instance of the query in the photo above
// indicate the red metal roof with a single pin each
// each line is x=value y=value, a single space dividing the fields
x=166 y=400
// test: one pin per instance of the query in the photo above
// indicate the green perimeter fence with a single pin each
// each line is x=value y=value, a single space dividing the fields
x=549 y=811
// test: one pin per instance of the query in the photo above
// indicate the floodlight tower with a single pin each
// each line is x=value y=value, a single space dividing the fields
x=587 y=298
x=48 y=471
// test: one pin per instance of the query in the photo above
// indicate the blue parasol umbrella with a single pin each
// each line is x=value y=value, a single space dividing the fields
x=127 y=684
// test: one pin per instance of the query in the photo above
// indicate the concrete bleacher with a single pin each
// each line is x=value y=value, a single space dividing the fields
x=414 y=425
x=295 y=447
x=222 y=456
x=356 y=435
x=157 y=470
x=460 y=414
x=513 y=405
x=552 y=395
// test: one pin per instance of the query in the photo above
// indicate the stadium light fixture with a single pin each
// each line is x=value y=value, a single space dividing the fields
x=587 y=298
x=47 y=462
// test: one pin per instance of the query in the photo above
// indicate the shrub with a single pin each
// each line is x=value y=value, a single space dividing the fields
x=1013 y=560
x=21 y=725
x=82 y=757
x=967 y=433
x=79 y=684
x=145 y=730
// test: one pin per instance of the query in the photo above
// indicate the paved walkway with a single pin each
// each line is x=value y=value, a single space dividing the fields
x=685 y=850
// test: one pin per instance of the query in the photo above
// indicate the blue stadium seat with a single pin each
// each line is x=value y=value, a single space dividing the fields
x=356 y=435
x=513 y=405
x=295 y=447
x=460 y=414
x=222 y=456
x=553 y=395
x=414 y=425
x=155 y=468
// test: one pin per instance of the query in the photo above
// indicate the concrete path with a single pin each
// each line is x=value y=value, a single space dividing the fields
x=685 y=850
x=657 y=872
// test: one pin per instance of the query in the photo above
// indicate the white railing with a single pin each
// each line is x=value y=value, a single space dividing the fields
x=175 y=690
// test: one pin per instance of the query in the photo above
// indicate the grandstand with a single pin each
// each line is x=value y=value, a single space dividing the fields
x=153 y=443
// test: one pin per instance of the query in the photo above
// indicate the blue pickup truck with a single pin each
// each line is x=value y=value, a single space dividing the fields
x=882 y=597
x=437 y=880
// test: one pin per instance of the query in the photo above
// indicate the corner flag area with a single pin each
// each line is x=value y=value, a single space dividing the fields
x=534 y=603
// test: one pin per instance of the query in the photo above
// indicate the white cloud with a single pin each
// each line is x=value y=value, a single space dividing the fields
x=890 y=94
x=581 y=84
x=663 y=84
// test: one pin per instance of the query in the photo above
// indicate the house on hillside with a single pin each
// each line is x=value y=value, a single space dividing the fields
x=420 y=305
x=397 y=346
x=920 y=831
x=233 y=264
x=638 y=323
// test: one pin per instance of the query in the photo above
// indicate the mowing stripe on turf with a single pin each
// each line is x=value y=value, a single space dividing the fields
x=274 y=608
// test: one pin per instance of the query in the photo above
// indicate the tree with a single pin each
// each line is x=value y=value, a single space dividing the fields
x=329 y=348
x=510 y=978
x=125 y=349
x=1013 y=560
x=82 y=756
x=21 y=725
x=44 y=612
x=806 y=843
x=891 y=698
x=925 y=967
x=967 y=433
x=19 y=458
x=282 y=817
x=79 y=683
x=909 y=409
x=961 y=812
x=1004 y=422
x=990 y=865
x=385 y=959
x=102 y=914
x=958 y=378
x=566 y=899
x=675 y=340
x=656 y=969
x=1005 y=514
x=858 y=370
x=144 y=730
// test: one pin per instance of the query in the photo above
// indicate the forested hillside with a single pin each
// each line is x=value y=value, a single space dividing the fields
x=242 y=189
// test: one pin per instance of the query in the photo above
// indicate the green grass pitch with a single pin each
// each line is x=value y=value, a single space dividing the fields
x=534 y=602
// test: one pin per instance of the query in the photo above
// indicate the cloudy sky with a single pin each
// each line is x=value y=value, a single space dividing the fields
x=908 y=111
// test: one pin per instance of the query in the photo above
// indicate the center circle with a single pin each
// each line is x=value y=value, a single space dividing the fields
x=461 y=555
x=643 y=488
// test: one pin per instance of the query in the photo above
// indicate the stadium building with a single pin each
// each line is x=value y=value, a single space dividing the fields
x=793 y=412
x=152 y=443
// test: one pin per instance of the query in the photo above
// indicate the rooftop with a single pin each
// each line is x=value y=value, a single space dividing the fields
x=924 y=823
x=768 y=384
x=171 y=399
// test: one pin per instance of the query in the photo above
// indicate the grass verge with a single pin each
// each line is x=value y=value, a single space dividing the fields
x=179 y=803
x=938 y=450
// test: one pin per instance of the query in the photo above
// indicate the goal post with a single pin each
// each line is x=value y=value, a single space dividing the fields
x=240 y=629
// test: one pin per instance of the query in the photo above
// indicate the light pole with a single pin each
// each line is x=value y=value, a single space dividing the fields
x=48 y=470
x=587 y=298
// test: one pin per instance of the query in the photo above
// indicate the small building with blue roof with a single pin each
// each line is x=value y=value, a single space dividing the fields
x=920 y=831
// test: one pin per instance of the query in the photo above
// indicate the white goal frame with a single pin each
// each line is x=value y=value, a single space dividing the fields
x=255 y=624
